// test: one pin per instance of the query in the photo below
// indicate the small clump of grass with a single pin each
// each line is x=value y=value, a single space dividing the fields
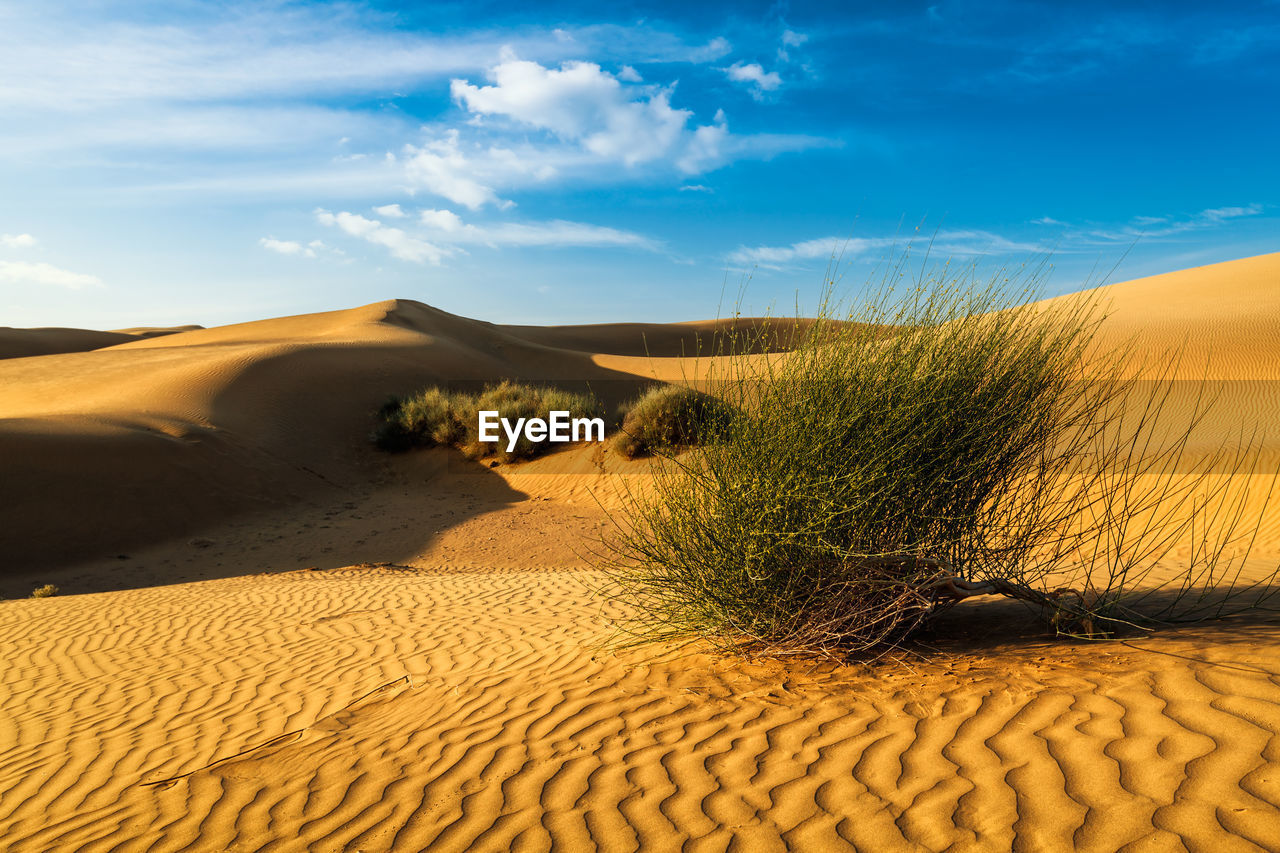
x=667 y=418
x=46 y=591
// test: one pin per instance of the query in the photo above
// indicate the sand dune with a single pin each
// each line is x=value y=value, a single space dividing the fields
x=25 y=343
x=1223 y=318
x=452 y=693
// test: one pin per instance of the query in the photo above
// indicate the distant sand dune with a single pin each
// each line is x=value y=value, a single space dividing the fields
x=460 y=697
x=25 y=343
x=164 y=436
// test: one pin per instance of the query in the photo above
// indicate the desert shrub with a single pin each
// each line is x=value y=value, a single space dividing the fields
x=46 y=591
x=427 y=418
x=514 y=400
x=434 y=417
x=666 y=418
x=930 y=446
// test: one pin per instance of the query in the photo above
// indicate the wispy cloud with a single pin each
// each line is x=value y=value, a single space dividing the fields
x=1147 y=227
x=715 y=49
x=436 y=234
x=241 y=51
x=956 y=243
x=44 y=275
x=1065 y=238
x=445 y=226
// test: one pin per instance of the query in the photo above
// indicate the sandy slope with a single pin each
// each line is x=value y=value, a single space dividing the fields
x=459 y=698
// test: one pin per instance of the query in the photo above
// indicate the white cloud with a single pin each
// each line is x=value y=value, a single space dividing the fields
x=17 y=241
x=391 y=211
x=581 y=102
x=1046 y=220
x=441 y=220
x=696 y=188
x=629 y=75
x=443 y=168
x=594 y=121
x=22 y=272
x=791 y=38
x=400 y=244
x=705 y=148
x=286 y=247
x=760 y=81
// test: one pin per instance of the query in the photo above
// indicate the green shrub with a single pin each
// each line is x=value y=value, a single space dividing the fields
x=427 y=418
x=928 y=447
x=46 y=591
x=433 y=417
x=667 y=418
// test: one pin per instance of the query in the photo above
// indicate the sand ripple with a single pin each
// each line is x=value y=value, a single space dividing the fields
x=387 y=709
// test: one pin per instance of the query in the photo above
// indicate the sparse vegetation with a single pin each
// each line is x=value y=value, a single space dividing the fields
x=46 y=591
x=930 y=446
x=667 y=418
x=434 y=417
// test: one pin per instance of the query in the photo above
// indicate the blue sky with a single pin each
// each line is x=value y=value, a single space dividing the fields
x=179 y=162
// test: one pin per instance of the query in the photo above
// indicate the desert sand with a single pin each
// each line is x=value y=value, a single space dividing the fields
x=272 y=637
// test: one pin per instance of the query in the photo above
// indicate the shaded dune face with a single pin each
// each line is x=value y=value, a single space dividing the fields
x=462 y=697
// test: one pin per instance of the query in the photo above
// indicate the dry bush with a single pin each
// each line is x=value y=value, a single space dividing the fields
x=433 y=417
x=667 y=418
x=930 y=446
